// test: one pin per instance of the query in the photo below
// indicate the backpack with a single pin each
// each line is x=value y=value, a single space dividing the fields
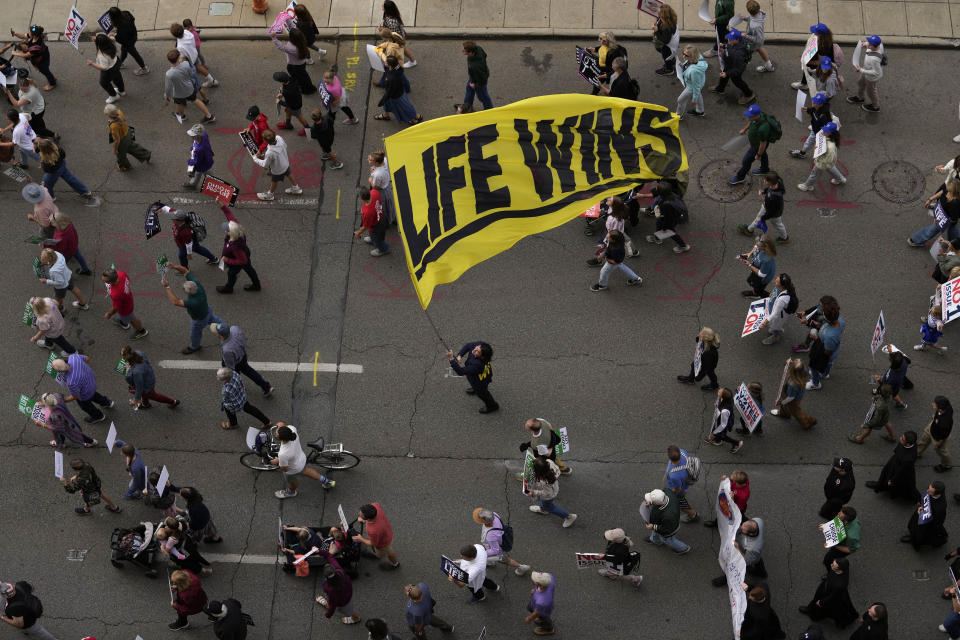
x=776 y=131
x=30 y=601
x=634 y=89
x=506 y=541
x=693 y=469
x=198 y=226
x=792 y=306
x=683 y=214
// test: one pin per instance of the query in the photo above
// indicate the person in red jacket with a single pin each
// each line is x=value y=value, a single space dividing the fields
x=379 y=533
x=258 y=124
x=189 y=598
x=187 y=245
x=740 y=489
x=373 y=221
x=235 y=254
x=67 y=242
x=337 y=591
x=121 y=299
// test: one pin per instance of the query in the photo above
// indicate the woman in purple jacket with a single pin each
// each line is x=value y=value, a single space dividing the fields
x=201 y=156
x=337 y=591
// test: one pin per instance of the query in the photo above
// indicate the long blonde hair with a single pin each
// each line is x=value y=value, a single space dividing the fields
x=797 y=374
x=708 y=337
x=49 y=152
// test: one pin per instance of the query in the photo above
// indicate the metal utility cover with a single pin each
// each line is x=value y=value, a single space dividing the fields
x=221 y=8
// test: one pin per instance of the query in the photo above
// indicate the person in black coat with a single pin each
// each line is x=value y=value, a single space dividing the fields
x=229 y=622
x=476 y=367
x=614 y=51
x=201 y=525
x=621 y=86
x=926 y=525
x=899 y=476
x=709 y=356
x=760 y=622
x=734 y=54
x=873 y=624
x=831 y=599
x=938 y=432
x=838 y=487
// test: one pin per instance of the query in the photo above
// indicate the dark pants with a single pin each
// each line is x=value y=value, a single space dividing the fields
x=710 y=374
x=244 y=367
x=831 y=508
x=748 y=158
x=132 y=50
x=488 y=583
x=90 y=408
x=298 y=72
x=737 y=80
x=112 y=75
x=439 y=623
x=61 y=342
x=198 y=249
x=756 y=283
x=666 y=53
x=347 y=111
x=248 y=409
x=722 y=28
x=234 y=269
x=723 y=437
x=379 y=240
x=542 y=621
x=39 y=126
x=44 y=68
x=483 y=393
x=153 y=395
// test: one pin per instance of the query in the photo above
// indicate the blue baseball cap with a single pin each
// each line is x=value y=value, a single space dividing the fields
x=819 y=29
x=874 y=41
x=826 y=63
x=830 y=127
x=733 y=34
x=820 y=98
x=753 y=110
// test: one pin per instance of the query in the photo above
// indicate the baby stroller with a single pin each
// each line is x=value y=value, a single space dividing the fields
x=136 y=546
x=348 y=557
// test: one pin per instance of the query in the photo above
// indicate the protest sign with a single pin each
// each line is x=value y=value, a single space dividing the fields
x=111 y=437
x=819 y=144
x=325 y=96
x=783 y=380
x=251 y=437
x=645 y=513
x=756 y=313
x=248 y=142
x=925 y=513
x=592 y=212
x=25 y=405
x=588 y=66
x=120 y=367
x=527 y=470
x=833 y=532
x=219 y=189
x=163 y=264
x=28 y=317
x=731 y=560
x=58 y=464
x=697 y=358
x=878 y=334
x=453 y=569
x=704 y=12
x=679 y=69
x=857 y=51
x=650 y=7
x=344 y=525
x=375 y=62
x=950 y=299
x=105 y=22
x=564 y=446
x=940 y=216
x=810 y=49
x=305 y=556
x=751 y=412
x=48 y=367
x=162 y=481
x=801 y=103
x=75 y=25
x=151 y=222
x=280 y=24
x=736 y=143
x=37 y=267
x=587 y=560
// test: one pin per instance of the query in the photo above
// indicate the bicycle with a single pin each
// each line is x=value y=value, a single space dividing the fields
x=328 y=456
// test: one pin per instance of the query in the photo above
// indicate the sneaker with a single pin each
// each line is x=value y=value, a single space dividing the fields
x=566 y=471
x=112 y=99
x=663 y=71
x=942 y=628
x=142 y=71
x=284 y=125
x=766 y=69
x=803 y=187
x=716 y=89
x=328 y=484
x=368 y=239
x=901 y=405
x=90 y=420
x=352 y=121
x=176 y=403
x=520 y=571
x=798 y=85
x=206 y=84
x=736 y=447
x=747 y=99
x=310 y=61
x=43 y=344
x=339 y=165
x=956 y=138
x=536 y=508
x=82 y=272
x=710 y=440
x=568 y=522
x=266 y=195
x=120 y=323
x=636 y=580
x=919 y=347
x=686 y=379
x=775 y=412
x=742 y=228
x=376 y=253
x=176 y=626
x=283 y=494
x=782 y=240
x=854 y=100
x=294 y=190
x=476 y=598
x=596 y=262
x=685 y=551
x=597 y=287
x=838 y=182
x=909 y=242
x=80 y=511
x=115 y=509
x=750 y=294
x=81 y=307
x=771 y=339
x=699 y=114
x=187 y=350
x=266 y=394
x=682 y=249
x=689 y=519
x=302 y=133
x=140 y=334
x=798 y=153
x=712 y=53
x=634 y=281
x=654 y=239
x=634 y=254
x=869 y=108
x=111 y=405
x=801 y=348
x=759 y=172
x=647 y=539
x=812 y=387
x=737 y=180
x=209 y=119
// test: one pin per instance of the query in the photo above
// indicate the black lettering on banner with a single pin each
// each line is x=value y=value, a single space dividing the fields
x=604 y=131
x=451 y=178
x=417 y=242
x=559 y=158
x=588 y=160
x=433 y=204
x=673 y=148
x=535 y=160
x=482 y=169
x=625 y=143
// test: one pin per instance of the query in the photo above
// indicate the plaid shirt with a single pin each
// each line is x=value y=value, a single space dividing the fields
x=232 y=395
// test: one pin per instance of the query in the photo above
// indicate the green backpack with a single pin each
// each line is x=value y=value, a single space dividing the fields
x=776 y=131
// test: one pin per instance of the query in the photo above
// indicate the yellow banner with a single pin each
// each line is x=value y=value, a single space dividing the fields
x=467 y=187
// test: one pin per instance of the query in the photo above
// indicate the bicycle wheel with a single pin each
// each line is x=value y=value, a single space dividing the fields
x=333 y=460
x=252 y=460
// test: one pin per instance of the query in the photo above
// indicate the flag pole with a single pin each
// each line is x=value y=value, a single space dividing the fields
x=434 y=327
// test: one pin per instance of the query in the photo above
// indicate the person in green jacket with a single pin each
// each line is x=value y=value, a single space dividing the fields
x=722 y=12
x=478 y=74
x=664 y=520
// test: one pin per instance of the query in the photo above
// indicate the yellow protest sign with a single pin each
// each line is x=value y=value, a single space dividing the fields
x=467 y=187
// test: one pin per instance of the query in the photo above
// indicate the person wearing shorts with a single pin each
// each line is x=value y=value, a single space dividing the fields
x=293 y=462
x=60 y=278
x=379 y=533
x=277 y=163
x=178 y=86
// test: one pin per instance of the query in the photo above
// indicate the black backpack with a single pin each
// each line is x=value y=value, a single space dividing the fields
x=794 y=303
x=198 y=225
x=506 y=541
x=30 y=601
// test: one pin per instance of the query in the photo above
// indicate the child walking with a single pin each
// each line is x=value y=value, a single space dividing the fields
x=754 y=35
x=826 y=161
x=722 y=421
x=931 y=331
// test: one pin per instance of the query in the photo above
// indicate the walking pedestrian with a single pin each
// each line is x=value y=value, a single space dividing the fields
x=50 y=325
x=181 y=85
x=22 y=138
x=380 y=534
x=749 y=542
x=141 y=381
x=189 y=598
x=722 y=12
x=694 y=77
x=664 y=521
x=708 y=344
x=781 y=302
x=494 y=538
x=607 y=51
x=870 y=73
x=946 y=212
x=43 y=207
x=395 y=100
x=791 y=397
x=621 y=561
x=293 y=462
x=193 y=33
x=35 y=49
x=831 y=599
x=87 y=483
x=235 y=253
x=60 y=278
x=621 y=84
x=827 y=78
x=135 y=468
x=53 y=161
x=188 y=46
x=938 y=432
x=233 y=354
x=391 y=20
x=81 y=382
x=722 y=421
x=754 y=35
x=544 y=440
x=179 y=547
x=307 y=26
x=61 y=423
x=826 y=342
x=166 y=503
x=337 y=591
x=473 y=560
x=819 y=112
x=827 y=161
x=338 y=96
x=109 y=67
x=668 y=212
x=545 y=487
x=762 y=267
x=277 y=164
x=850 y=544
x=614 y=260
x=419 y=611
x=666 y=39
x=873 y=623
x=322 y=131
x=760 y=621
x=125 y=27
x=838 y=487
x=379 y=179
x=233 y=399
x=677 y=479
x=30 y=102
x=762 y=130
x=123 y=139
x=542 y=603
x=185 y=239
x=478 y=74
x=739 y=491
x=68 y=243
x=925 y=527
x=22 y=609
x=931 y=330
x=201 y=314
x=825 y=48
x=877 y=416
x=121 y=301
x=201 y=156
x=473 y=362
x=617 y=214
x=290 y=98
x=374 y=221
x=297 y=55
x=229 y=621
x=771 y=211
x=201 y=526
x=733 y=54
x=258 y=124
x=898 y=475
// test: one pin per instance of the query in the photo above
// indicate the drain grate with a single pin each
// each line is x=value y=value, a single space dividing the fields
x=898 y=181
x=221 y=8
x=714 y=181
x=826 y=212
x=77 y=555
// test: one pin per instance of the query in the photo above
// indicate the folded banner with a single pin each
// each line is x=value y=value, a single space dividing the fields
x=468 y=187
x=730 y=559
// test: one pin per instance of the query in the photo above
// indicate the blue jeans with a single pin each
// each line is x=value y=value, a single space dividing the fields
x=50 y=179
x=748 y=158
x=80 y=260
x=26 y=155
x=379 y=240
x=197 y=327
x=928 y=233
x=549 y=507
x=608 y=268
x=816 y=376
x=198 y=249
x=481 y=92
x=952 y=625
x=670 y=541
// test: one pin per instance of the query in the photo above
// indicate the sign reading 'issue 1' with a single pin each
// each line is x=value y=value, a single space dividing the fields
x=219 y=189
x=75 y=25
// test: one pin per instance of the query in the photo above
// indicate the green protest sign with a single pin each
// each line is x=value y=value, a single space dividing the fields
x=49 y=366
x=162 y=265
x=37 y=267
x=29 y=317
x=121 y=367
x=564 y=444
x=25 y=405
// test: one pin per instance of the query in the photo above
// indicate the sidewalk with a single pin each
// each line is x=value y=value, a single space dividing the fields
x=927 y=23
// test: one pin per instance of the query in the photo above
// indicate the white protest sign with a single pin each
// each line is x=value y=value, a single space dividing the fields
x=704 y=12
x=111 y=437
x=344 y=525
x=564 y=446
x=736 y=143
x=58 y=464
x=375 y=62
x=801 y=103
x=170 y=586
x=783 y=379
x=820 y=144
x=935 y=248
x=755 y=316
x=650 y=7
x=950 y=299
x=679 y=69
x=856 y=53
x=146 y=477
x=810 y=49
x=697 y=358
x=751 y=412
x=75 y=25
x=878 y=334
x=305 y=556
x=645 y=512
x=251 y=437
x=587 y=560
x=731 y=560
x=162 y=482
x=833 y=532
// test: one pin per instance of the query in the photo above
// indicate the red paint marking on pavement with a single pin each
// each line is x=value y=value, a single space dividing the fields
x=689 y=272
x=829 y=190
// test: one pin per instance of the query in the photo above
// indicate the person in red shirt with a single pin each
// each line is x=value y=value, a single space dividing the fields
x=379 y=533
x=373 y=221
x=121 y=299
x=67 y=242
x=187 y=245
x=740 y=490
x=258 y=124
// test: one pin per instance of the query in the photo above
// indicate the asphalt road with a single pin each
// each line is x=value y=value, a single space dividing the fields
x=602 y=365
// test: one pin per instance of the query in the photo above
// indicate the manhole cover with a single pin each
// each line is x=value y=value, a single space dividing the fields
x=714 y=181
x=826 y=212
x=898 y=181
x=221 y=8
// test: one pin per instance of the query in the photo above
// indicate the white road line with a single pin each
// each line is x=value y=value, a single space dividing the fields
x=243 y=558
x=306 y=367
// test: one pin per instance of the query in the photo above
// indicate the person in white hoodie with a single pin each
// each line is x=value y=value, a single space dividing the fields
x=60 y=278
x=870 y=70
x=275 y=160
x=754 y=35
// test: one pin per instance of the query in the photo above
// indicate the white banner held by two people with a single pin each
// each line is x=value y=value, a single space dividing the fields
x=731 y=560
